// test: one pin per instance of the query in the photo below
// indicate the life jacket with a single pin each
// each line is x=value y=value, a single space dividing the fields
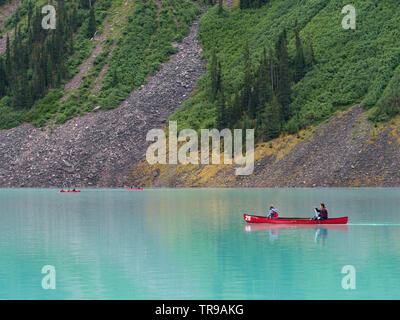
x=274 y=214
x=324 y=213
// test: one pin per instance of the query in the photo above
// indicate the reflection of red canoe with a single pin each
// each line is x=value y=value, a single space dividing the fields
x=133 y=188
x=273 y=227
x=69 y=191
x=257 y=219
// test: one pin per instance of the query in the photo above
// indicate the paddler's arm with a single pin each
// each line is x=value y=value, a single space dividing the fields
x=317 y=215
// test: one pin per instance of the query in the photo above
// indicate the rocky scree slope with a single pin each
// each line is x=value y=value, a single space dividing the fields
x=100 y=148
x=345 y=151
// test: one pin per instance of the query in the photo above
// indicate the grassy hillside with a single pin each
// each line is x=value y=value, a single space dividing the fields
x=132 y=40
x=349 y=67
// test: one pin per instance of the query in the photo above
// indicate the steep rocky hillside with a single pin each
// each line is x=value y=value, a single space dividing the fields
x=144 y=62
x=314 y=142
x=100 y=148
x=347 y=150
x=99 y=52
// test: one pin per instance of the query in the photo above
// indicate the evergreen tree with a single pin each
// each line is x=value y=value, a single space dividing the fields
x=222 y=116
x=247 y=78
x=263 y=88
x=244 y=4
x=92 y=24
x=3 y=79
x=236 y=110
x=87 y=4
x=8 y=68
x=273 y=72
x=220 y=107
x=272 y=125
x=214 y=75
x=310 y=53
x=254 y=101
x=299 y=60
x=220 y=7
x=283 y=92
x=219 y=78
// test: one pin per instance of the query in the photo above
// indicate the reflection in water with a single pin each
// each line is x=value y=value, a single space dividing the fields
x=320 y=235
x=273 y=235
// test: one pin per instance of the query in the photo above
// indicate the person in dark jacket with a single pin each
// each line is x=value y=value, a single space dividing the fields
x=321 y=213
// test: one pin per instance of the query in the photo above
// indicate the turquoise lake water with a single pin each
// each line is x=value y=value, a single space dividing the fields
x=194 y=244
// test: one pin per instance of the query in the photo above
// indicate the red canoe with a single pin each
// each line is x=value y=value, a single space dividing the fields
x=133 y=188
x=257 y=219
x=69 y=191
x=274 y=227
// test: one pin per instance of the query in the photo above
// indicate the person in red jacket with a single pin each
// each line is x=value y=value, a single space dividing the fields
x=321 y=213
x=273 y=213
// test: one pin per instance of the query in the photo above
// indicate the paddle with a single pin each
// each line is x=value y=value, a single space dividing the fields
x=316 y=213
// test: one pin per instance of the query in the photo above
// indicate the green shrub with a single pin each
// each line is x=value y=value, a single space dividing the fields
x=61 y=118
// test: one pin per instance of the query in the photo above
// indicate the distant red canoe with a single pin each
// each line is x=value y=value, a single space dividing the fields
x=257 y=219
x=69 y=191
x=133 y=188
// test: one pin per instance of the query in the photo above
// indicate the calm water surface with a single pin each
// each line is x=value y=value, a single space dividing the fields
x=194 y=244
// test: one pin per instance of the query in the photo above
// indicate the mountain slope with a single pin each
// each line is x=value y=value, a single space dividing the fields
x=349 y=66
x=345 y=151
x=327 y=138
x=99 y=148
x=321 y=144
x=50 y=76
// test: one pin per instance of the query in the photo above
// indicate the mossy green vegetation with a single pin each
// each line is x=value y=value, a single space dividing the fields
x=348 y=66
